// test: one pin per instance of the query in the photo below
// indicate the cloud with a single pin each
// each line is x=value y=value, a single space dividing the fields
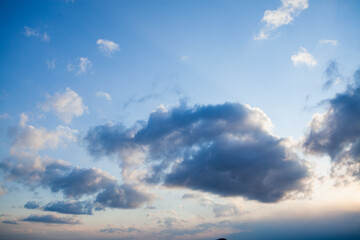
x=104 y=95
x=284 y=15
x=336 y=132
x=51 y=219
x=184 y=58
x=107 y=47
x=30 y=32
x=123 y=196
x=84 y=66
x=28 y=138
x=73 y=182
x=225 y=210
x=328 y=41
x=50 y=64
x=303 y=57
x=31 y=205
x=9 y=222
x=332 y=73
x=65 y=105
x=70 y=207
x=119 y=230
x=46 y=37
x=224 y=149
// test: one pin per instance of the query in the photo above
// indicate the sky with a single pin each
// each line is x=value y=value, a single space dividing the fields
x=160 y=119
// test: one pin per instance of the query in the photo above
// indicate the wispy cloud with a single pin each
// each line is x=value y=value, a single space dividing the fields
x=51 y=219
x=84 y=66
x=107 y=47
x=65 y=105
x=184 y=58
x=105 y=95
x=50 y=64
x=30 y=32
x=303 y=57
x=328 y=41
x=284 y=15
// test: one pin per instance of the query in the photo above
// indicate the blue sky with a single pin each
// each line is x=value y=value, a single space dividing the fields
x=179 y=119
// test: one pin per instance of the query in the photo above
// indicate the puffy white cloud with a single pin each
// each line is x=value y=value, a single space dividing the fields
x=303 y=57
x=107 y=47
x=29 y=138
x=282 y=16
x=65 y=105
x=104 y=95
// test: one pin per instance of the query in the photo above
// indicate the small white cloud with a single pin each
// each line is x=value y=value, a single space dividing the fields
x=84 y=66
x=29 y=32
x=65 y=105
x=284 y=15
x=329 y=41
x=303 y=57
x=107 y=47
x=50 y=64
x=104 y=95
x=46 y=37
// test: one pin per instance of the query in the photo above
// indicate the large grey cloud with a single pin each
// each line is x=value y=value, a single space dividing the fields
x=336 y=132
x=226 y=149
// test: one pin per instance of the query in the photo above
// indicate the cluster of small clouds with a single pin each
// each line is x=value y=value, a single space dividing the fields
x=284 y=15
x=30 y=32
